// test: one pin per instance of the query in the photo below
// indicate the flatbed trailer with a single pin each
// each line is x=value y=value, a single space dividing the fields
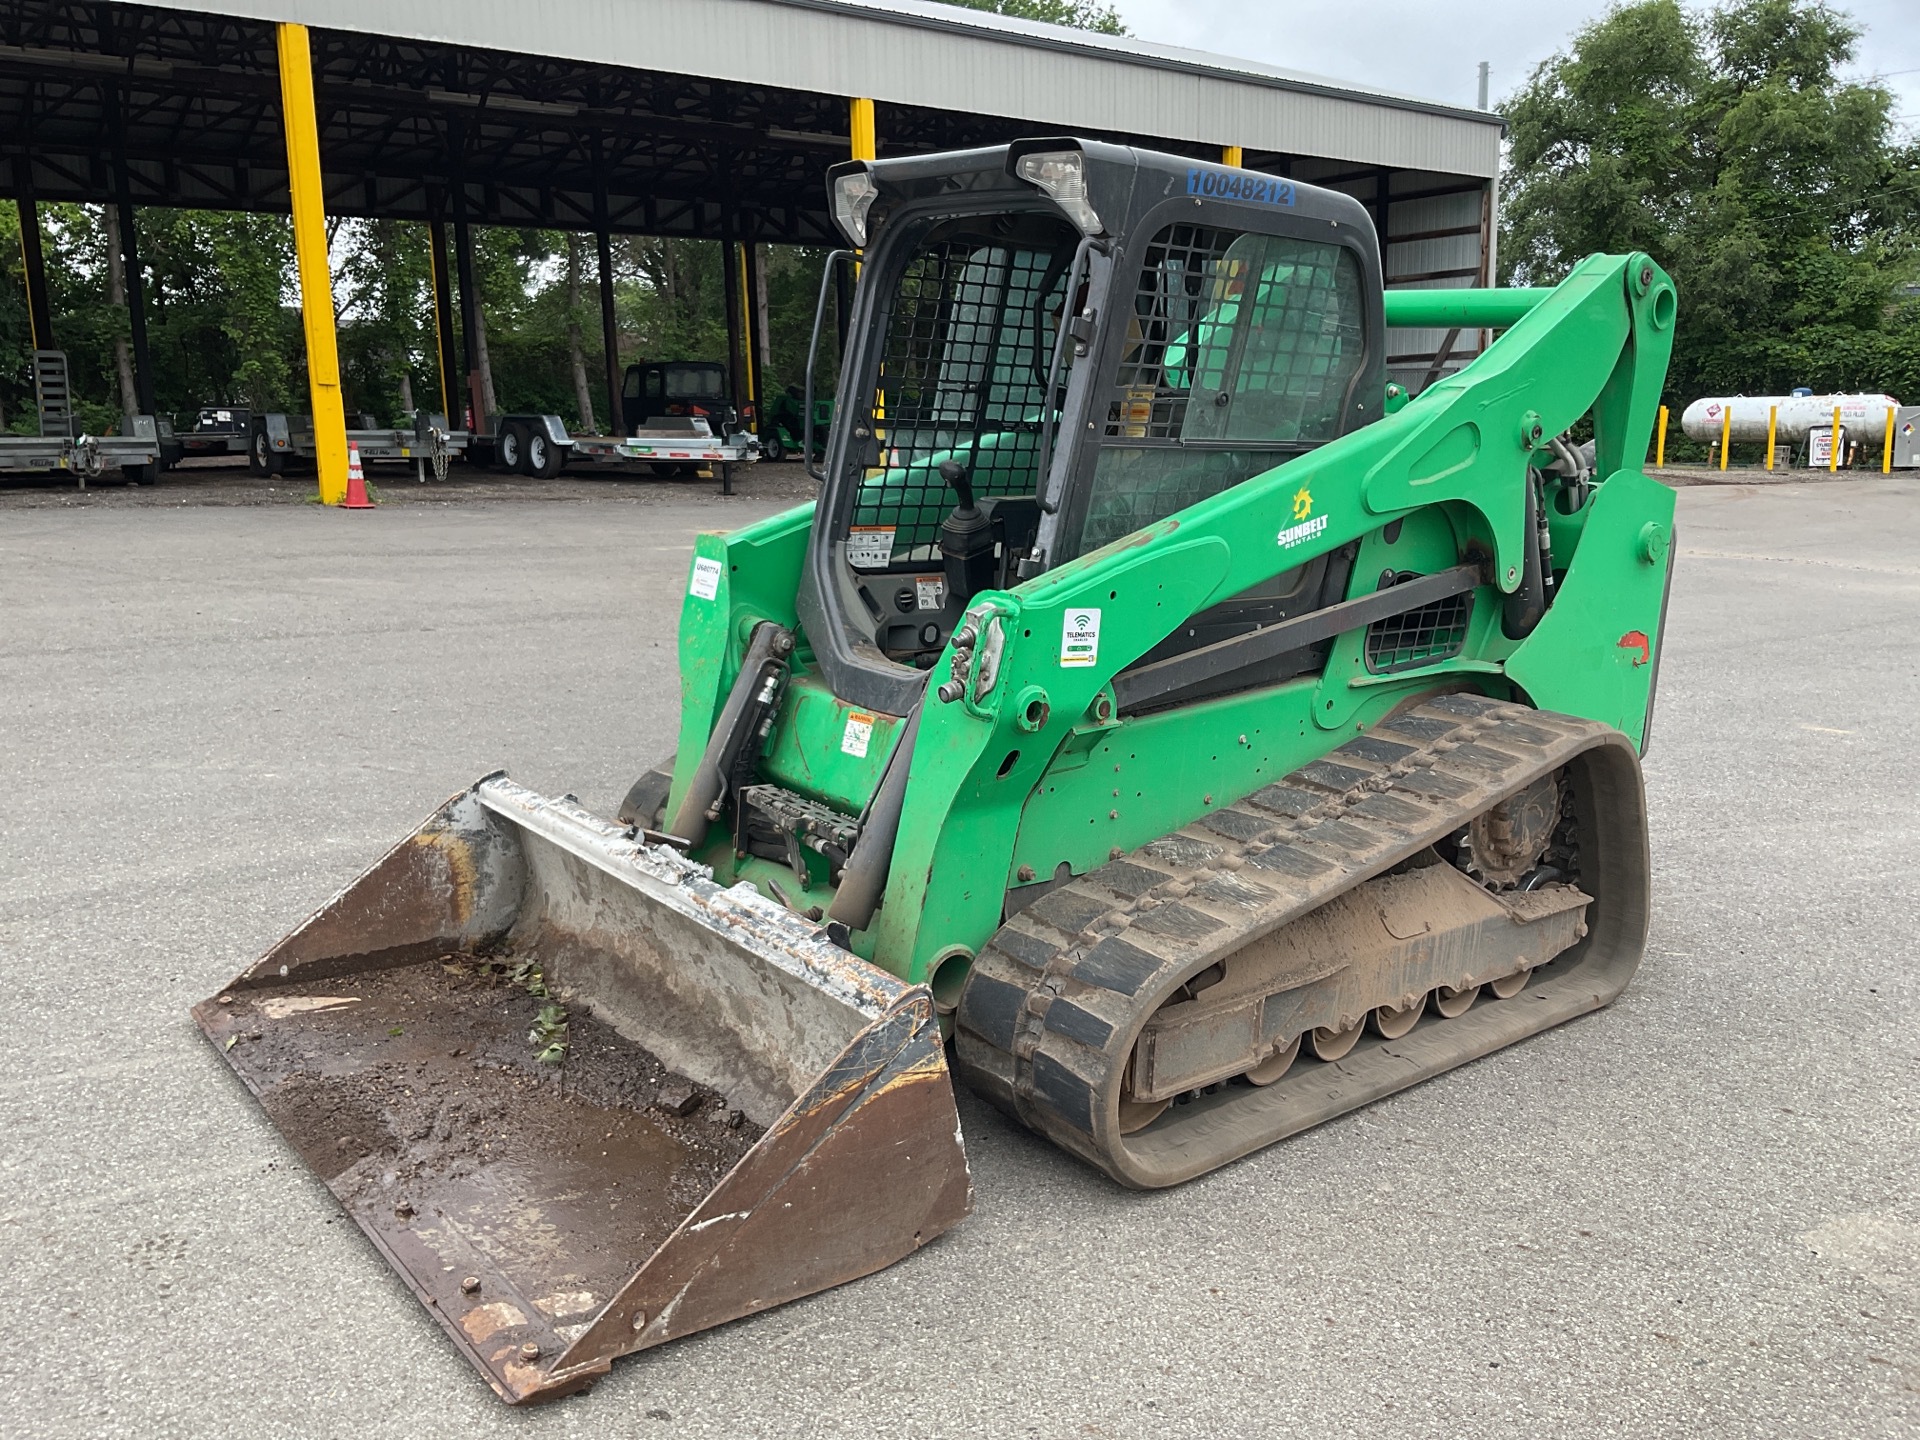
x=134 y=459
x=60 y=448
x=540 y=446
x=430 y=441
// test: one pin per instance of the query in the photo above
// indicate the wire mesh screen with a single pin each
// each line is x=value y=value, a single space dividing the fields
x=1234 y=339
x=1419 y=637
x=1275 y=356
x=962 y=377
x=1177 y=277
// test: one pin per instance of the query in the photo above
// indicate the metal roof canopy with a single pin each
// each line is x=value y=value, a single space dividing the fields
x=705 y=118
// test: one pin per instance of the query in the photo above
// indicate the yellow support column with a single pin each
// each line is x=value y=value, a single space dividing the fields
x=1886 y=450
x=1833 y=445
x=1660 y=445
x=310 y=253
x=860 y=118
x=1726 y=432
x=1233 y=155
x=1773 y=424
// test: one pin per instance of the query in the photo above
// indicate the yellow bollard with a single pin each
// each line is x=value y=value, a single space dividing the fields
x=310 y=253
x=1773 y=423
x=1833 y=446
x=1233 y=155
x=1726 y=432
x=1660 y=445
x=1886 y=450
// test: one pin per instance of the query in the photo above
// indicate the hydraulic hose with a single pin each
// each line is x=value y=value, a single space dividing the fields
x=767 y=649
x=865 y=877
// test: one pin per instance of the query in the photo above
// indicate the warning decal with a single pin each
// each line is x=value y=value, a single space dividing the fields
x=870 y=547
x=857 y=736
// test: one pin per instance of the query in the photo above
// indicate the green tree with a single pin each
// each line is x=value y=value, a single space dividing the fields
x=383 y=297
x=1725 y=145
x=253 y=297
x=16 y=333
x=1075 y=14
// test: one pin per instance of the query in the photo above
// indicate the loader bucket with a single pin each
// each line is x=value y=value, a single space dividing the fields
x=584 y=1099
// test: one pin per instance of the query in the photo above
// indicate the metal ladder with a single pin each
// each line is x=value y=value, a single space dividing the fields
x=52 y=393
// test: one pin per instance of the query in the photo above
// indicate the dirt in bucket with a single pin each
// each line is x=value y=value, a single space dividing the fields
x=420 y=1096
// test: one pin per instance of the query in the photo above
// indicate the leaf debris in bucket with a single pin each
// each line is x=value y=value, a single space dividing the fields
x=549 y=1032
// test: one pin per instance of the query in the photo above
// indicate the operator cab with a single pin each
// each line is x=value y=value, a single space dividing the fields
x=1054 y=344
x=657 y=388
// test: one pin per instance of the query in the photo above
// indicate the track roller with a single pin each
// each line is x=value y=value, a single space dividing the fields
x=1390 y=1023
x=1276 y=1064
x=1328 y=1043
x=1508 y=986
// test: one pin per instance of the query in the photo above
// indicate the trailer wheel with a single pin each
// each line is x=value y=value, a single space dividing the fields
x=140 y=474
x=544 y=458
x=262 y=458
x=510 y=448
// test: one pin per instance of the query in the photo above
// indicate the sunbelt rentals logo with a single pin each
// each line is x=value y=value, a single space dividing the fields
x=1306 y=524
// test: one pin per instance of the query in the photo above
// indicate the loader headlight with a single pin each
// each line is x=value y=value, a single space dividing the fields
x=853 y=197
x=1061 y=176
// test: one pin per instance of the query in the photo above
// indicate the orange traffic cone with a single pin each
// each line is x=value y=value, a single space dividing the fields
x=356 y=482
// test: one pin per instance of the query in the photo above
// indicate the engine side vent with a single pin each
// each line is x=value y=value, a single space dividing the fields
x=1419 y=637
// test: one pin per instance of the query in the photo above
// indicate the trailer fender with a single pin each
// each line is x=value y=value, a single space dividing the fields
x=556 y=432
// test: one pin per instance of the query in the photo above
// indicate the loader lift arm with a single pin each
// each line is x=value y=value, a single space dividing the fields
x=1452 y=468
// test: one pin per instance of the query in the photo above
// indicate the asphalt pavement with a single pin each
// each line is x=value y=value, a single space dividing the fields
x=1692 y=1213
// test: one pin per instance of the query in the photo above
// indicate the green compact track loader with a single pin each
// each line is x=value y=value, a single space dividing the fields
x=1160 y=720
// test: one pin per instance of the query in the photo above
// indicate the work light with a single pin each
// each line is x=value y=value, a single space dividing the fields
x=1061 y=175
x=853 y=197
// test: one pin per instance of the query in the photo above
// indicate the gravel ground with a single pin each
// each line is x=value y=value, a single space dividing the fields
x=1692 y=1213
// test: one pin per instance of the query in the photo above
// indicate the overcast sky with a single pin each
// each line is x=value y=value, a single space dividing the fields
x=1433 y=48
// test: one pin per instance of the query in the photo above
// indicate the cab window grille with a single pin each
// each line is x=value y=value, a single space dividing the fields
x=962 y=372
x=1237 y=340
x=1175 y=290
x=1275 y=356
x=1419 y=637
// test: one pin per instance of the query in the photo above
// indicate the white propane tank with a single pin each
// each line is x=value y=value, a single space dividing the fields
x=1864 y=417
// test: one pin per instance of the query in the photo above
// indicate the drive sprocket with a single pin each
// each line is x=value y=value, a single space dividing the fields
x=1503 y=845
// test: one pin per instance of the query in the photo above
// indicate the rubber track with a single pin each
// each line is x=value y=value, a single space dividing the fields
x=1055 y=999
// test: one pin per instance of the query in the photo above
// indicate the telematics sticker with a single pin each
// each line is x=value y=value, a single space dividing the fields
x=858 y=735
x=870 y=547
x=1080 y=637
x=706 y=579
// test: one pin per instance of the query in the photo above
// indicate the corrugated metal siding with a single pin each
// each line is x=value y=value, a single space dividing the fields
x=763 y=42
x=1433 y=263
x=1431 y=242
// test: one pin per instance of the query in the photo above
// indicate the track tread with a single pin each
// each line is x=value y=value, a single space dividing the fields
x=1107 y=945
